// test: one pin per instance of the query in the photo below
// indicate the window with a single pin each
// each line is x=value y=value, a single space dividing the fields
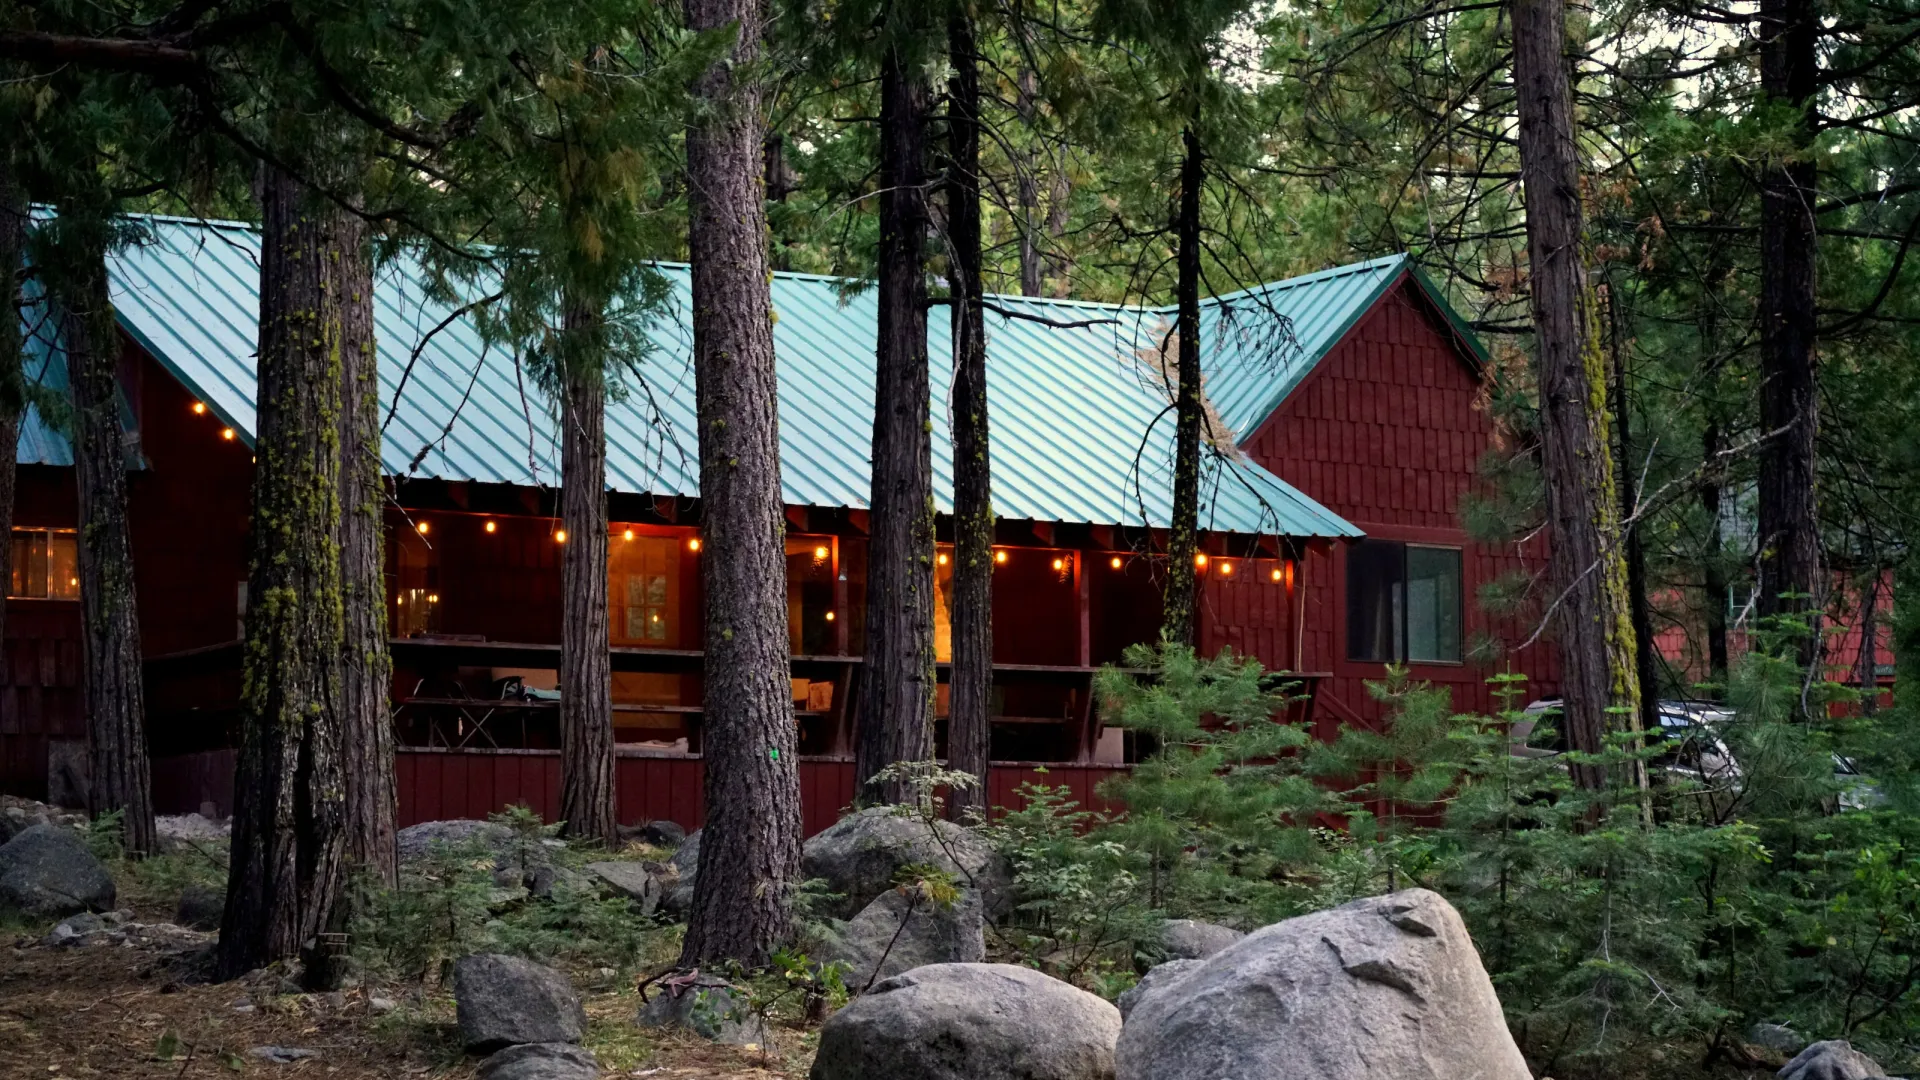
x=46 y=565
x=1403 y=603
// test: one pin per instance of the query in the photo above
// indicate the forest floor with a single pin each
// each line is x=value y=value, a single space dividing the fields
x=112 y=1012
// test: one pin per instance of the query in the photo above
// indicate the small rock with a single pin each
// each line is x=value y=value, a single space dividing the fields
x=378 y=1005
x=504 y=1000
x=1834 y=1059
x=185 y=831
x=708 y=1007
x=1186 y=939
x=931 y=934
x=1777 y=1037
x=664 y=834
x=967 y=1022
x=48 y=871
x=201 y=907
x=285 y=1055
x=677 y=897
x=541 y=1061
x=1158 y=978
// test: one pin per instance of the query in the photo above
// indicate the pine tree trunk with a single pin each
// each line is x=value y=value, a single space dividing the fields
x=1789 y=565
x=970 y=698
x=1027 y=186
x=896 y=706
x=13 y=238
x=366 y=731
x=586 y=671
x=110 y=626
x=750 y=851
x=288 y=868
x=1639 y=603
x=1597 y=650
x=1868 y=661
x=1181 y=612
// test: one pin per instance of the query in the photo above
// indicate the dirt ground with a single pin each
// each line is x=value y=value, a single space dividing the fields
x=112 y=1011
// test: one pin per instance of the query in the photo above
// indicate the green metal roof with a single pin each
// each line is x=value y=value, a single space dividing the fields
x=1078 y=431
x=1251 y=361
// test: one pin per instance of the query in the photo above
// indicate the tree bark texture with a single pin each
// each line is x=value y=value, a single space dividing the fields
x=970 y=698
x=1589 y=579
x=896 y=706
x=1789 y=565
x=13 y=239
x=289 y=831
x=366 y=730
x=109 y=615
x=1183 y=538
x=586 y=671
x=750 y=851
x=1626 y=466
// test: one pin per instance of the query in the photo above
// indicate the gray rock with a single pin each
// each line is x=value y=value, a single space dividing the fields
x=1186 y=939
x=931 y=934
x=860 y=854
x=505 y=1001
x=1834 y=1059
x=418 y=841
x=379 y=1005
x=1389 y=986
x=686 y=857
x=676 y=898
x=708 y=1007
x=284 y=1055
x=662 y=834
x=47 y=871
x=178 y=832
x=201 y=907
x=631 y=880
x=1158 y=978
x=541 y=1061
x=1777 y=1037
x=970 y=1022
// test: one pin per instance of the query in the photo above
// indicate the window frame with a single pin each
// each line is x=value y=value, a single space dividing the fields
x=50 y=532
x=1401 y=651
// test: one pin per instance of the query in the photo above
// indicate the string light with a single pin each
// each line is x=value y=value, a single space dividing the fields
x=559 y=536
x=693 y=544
x=227 y=434
x=491 y=526
x=199 y=408
x=1226 y=569
x=829 y=616
x=421 y=528
x=1200 y=559
x=628 y=535
x=1000 y=556
x=1114 y=562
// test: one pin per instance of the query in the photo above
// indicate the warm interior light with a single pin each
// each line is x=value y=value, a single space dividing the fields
x=829 y=616
x=1200 y=559
x=559 y=536
x=73 y=581
x=421 y=528
x=820 y=553
x=491 y=526
x=943 y=558
x=227 y=434
x=1114 y=562
x=693 y=544
x=199 y=408
x=1059 y=564
x=628 y=535
x=433 y=598
x=999 y=556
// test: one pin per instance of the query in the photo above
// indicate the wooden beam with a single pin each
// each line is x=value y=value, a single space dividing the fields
x=861 y=521
x=797 y=517
x=1044 y=531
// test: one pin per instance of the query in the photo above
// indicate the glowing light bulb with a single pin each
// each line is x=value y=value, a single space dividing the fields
x=1200 y=559
x=433 y=598
x=1000 y=556
x=1114 y=562
x=491 y=526
x=829 y=616
x=227 y=434
x=1276 y=573
x=199 y=408
x=1059 y=564
x=1226 y=569
x=821 y=552
x=421 y=528
x=628 y=535
x=559 y=536
x=693 y=544
x=943 y=558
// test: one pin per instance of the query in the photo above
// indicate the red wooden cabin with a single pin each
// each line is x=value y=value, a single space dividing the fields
x=1360 y=415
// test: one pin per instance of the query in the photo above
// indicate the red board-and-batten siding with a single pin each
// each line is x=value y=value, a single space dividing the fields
x=436 y=785
x=1387 y=432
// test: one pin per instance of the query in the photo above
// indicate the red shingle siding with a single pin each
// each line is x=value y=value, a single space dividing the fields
x=1386 y=432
